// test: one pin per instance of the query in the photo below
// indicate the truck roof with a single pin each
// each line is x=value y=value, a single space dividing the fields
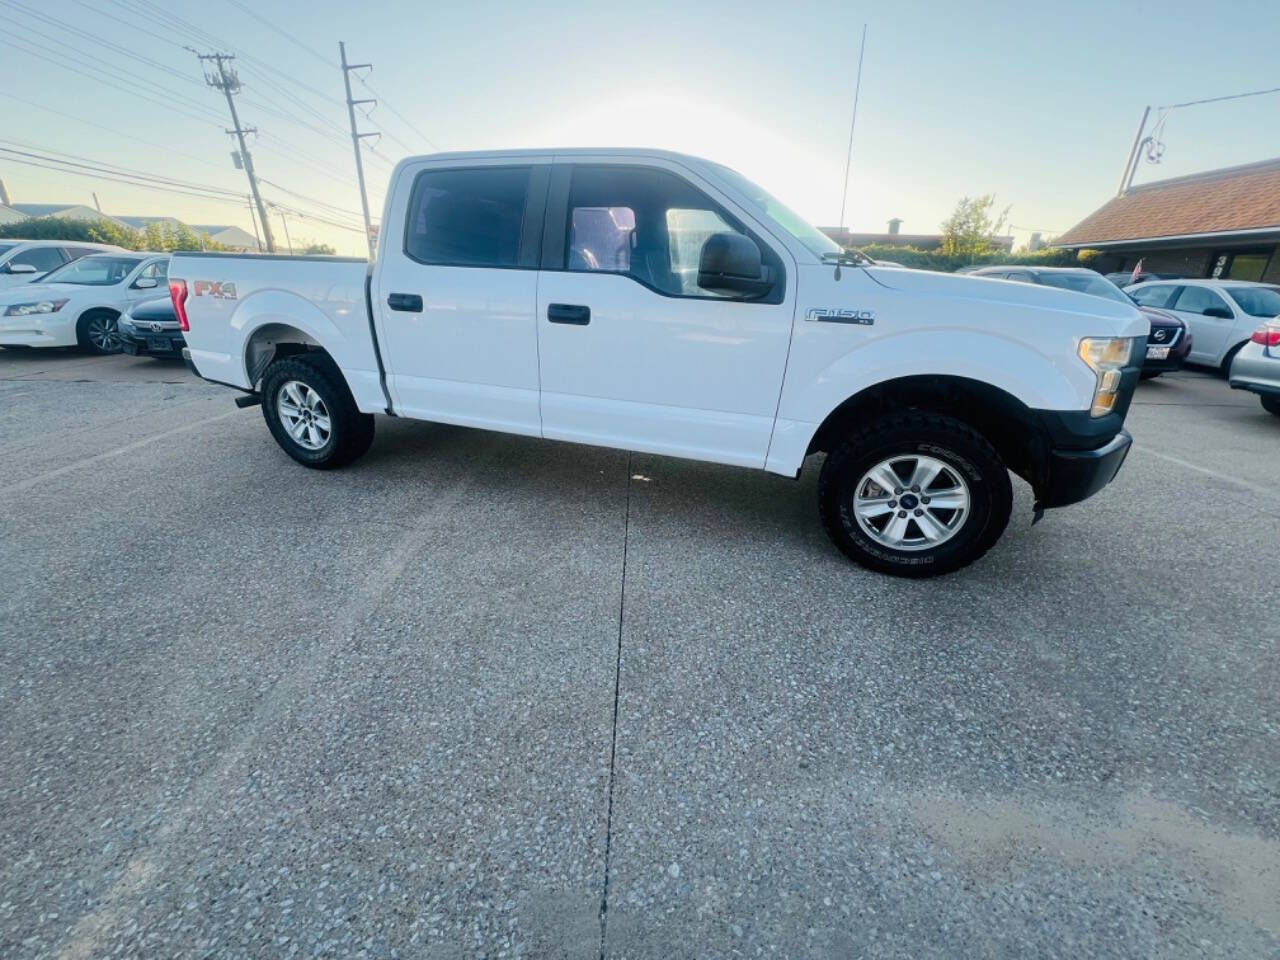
x=558 y=152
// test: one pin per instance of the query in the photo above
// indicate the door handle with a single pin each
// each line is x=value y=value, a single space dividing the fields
x=408 y=302
x=569 y=313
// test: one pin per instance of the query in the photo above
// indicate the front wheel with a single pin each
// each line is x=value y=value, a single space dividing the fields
x=311 y=413
x=97 y=332
x=1270 y=404
x=914 y=495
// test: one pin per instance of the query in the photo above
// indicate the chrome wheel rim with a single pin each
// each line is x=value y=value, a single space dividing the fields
x=911 y=502
x=303 y=415
x=103 y=333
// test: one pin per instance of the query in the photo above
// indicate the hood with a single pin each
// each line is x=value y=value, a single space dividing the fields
x=1129 y=322
x=1160 y=318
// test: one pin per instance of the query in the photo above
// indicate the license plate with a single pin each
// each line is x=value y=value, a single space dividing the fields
x=162 y=343
x=1157 y=353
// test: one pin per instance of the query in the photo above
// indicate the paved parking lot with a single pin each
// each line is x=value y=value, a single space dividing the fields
x=486 y=696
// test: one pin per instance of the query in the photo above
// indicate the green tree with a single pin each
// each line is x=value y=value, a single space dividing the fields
x=313 y=247
x=969 y=230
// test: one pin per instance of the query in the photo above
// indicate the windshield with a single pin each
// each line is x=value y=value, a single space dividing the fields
x=6 y=247
x=1095 y=285
x=94 y=271
x=1257 y=301
x=814 y=240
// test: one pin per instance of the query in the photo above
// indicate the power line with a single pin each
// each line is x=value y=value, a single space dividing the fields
x=1233 y=96
x=72 y=160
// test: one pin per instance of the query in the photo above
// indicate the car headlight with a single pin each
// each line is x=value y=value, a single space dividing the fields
x=1106 y=357
x=39 y=306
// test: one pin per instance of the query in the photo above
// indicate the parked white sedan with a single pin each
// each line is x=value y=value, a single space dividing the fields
x=25 y=261
x=1221 y=314
x=80 y=302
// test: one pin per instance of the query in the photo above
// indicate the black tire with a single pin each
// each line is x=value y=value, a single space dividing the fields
x=97 y=333
x=350 y=431
x=961 y=448
x=1149 y=374
x=1270 y=404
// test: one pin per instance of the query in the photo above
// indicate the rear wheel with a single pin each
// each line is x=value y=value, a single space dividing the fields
x=311 y=413
x=915 y=495
x=96 y=332
x=1271 y=404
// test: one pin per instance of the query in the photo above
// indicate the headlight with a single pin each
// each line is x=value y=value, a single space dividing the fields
x=1106 y=357
x=40 y=306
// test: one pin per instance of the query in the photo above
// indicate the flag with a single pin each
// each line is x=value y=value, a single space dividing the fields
x=1137 y=272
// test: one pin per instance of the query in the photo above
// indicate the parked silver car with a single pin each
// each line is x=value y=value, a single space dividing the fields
x=1220 y=314
x=1257 y=366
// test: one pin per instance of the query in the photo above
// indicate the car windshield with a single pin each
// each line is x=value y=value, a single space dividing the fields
x=1257 y=301
x=1095 y=285
x=817 y=242
x=6 y=247
x=94 y=271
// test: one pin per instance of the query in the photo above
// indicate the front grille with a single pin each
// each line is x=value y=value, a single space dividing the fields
x=1170 y=336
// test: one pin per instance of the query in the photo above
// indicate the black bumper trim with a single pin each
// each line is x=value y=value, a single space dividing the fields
x=1074 y=475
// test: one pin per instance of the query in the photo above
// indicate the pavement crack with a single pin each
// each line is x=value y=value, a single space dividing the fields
x=613 y=748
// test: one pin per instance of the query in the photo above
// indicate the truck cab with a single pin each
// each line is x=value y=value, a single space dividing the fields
x=657 y=302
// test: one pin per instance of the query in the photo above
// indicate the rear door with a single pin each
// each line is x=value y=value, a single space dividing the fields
x=634 y=353
x=454 y=293
x=1197 y=306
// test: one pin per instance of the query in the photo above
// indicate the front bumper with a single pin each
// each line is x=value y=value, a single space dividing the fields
x=1074 y=475
x=38 y=330
x=163 y=344
x=1174 y=361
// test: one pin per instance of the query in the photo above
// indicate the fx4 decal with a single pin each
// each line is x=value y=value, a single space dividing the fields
x=841 y=315
x=224 y=290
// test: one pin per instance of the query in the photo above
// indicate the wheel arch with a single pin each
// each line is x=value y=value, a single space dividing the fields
x=1006 y=422
x=274 y=339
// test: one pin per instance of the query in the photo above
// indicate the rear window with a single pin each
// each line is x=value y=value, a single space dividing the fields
x=1257 y=301
x=1153 y=294
x=467 y=218
x=1095 y=285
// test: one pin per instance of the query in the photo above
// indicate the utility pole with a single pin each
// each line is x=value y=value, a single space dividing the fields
x=1131 y=165
x=254 y=221
x=356 y=137
x=229 y=83
x=848 y=159
x=287 y=238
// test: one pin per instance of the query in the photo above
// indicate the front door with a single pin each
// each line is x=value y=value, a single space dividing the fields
x=635 y=352
x=455 y=292
x=1201 y=309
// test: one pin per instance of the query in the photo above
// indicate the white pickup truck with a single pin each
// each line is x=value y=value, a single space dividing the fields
x=656 y=302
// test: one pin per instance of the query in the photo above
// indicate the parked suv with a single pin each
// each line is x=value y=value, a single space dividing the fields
x=1168 y=342
x=22 y=261
x=652 y=301
x=1221 y=315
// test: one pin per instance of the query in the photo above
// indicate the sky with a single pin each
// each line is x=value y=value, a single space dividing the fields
x=1033 y=102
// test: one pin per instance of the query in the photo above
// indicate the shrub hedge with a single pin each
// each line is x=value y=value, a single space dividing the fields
x=935 y=260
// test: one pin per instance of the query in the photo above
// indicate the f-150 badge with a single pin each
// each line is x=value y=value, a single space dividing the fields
x=841 y=315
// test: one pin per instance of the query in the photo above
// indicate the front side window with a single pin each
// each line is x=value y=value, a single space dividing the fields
x=1153 y=294
x=647 y=224
x=813 y=239
x=1257 y=301
x=467 y=218
x=43 y=259
x=102 y=271
x=1198 y=300
x=156 y=271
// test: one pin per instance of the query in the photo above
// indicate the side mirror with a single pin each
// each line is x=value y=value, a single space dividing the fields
x=145 y=283
x=20 y=268
x=730 y=263
x=1222 y=313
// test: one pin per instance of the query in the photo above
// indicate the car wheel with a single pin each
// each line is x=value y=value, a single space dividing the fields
x=1271 y=404
x=914 y=495
x=311 y=413
x=98 y=333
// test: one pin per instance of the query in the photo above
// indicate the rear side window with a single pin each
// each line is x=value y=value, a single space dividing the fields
x=467 y=218
x=43 y=259
x=1153 y=294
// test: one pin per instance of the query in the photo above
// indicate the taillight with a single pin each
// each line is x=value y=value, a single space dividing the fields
x=1268 y=335
x=178 y=294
